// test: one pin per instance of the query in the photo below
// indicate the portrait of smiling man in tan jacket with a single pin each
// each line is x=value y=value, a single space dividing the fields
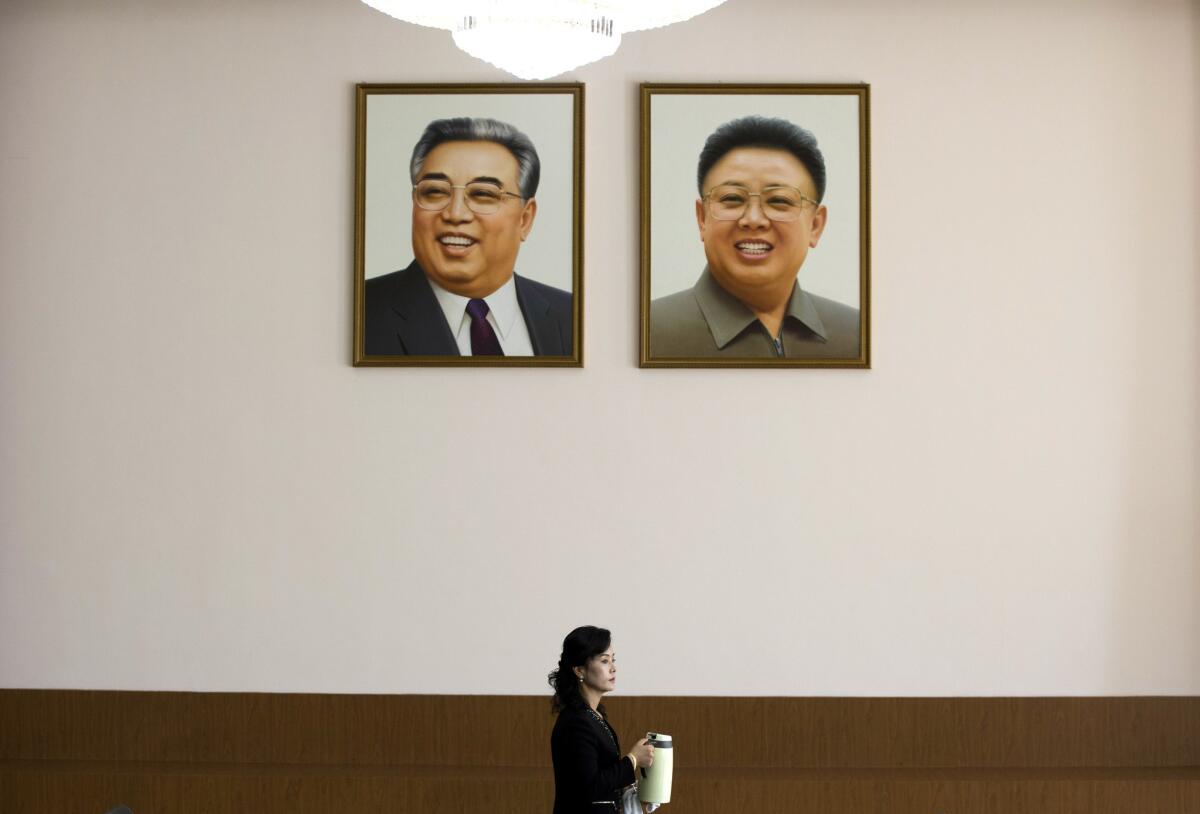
x=761 y=183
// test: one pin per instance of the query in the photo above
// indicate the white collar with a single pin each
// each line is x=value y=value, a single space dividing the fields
x=502 y=305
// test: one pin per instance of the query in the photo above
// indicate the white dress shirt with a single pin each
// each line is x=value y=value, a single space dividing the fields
x=504 y=315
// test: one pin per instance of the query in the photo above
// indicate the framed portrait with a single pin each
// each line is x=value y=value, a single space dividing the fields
x=468 y=225
x=756 y=225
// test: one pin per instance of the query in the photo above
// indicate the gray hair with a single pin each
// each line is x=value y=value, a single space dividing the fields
x=529 y=167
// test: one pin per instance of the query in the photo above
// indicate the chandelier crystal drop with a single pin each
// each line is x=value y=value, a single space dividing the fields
x=538 y=39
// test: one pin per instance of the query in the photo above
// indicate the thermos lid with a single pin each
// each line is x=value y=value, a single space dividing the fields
x=658 y=740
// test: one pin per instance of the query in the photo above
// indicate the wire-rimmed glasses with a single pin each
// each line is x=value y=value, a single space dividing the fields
x=482 y=197
x=777 y=202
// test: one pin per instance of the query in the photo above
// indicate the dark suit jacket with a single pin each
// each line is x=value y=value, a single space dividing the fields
x=588 y=766
x=402 y=317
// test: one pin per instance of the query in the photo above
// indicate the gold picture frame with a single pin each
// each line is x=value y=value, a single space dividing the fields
x=711 y=284
x=401 y=315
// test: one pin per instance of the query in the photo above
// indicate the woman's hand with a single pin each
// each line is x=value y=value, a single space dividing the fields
x=643 y=753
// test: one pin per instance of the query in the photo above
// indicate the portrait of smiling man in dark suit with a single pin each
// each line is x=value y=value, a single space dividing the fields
x=474 y=183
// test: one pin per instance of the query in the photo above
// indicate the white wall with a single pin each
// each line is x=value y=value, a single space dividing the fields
x=200 y=492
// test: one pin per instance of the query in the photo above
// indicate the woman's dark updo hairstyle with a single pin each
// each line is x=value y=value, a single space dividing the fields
x=581 y=644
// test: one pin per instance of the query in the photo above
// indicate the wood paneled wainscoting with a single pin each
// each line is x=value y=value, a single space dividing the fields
x=85 y=752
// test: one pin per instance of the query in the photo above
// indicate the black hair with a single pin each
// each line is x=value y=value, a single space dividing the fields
x=760 y=131
x=581 y=644
x=439 y=131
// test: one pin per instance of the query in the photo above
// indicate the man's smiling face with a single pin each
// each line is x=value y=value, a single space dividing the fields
x=754 y=256
x=463 y=251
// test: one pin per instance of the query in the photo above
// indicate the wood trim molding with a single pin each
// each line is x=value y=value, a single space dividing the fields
x=86 y=751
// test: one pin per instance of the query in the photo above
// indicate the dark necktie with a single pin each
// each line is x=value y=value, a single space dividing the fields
x=483 y=338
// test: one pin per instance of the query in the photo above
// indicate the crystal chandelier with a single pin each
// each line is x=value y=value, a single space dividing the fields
x=537 y=39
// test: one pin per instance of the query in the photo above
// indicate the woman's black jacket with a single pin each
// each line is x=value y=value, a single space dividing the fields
x=589 y=771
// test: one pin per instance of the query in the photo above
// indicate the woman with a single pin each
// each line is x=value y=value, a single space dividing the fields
x=589 y=769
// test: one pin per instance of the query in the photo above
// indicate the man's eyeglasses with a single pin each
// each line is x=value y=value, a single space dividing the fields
x=778 y=203
x=481 y=197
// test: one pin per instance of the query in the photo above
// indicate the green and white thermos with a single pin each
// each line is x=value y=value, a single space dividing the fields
x=655 y=785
